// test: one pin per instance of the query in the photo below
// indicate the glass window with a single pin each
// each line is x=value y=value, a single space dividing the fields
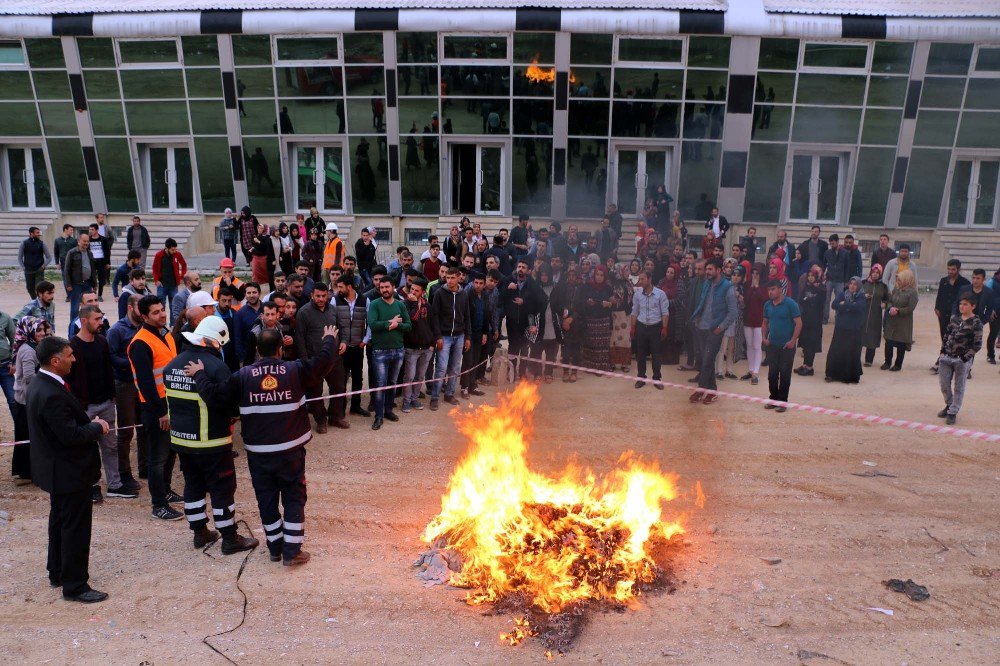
x=52 y=85
x=420 y=181
x=699 y=182
x=11 y=53
x=263 y=170
x=644 y=119
x=204 y=82
x=143 y=51
x=107 y=118
x=96 y=52
x=208 y=117
x=294 y=49
x=415 y=114
x=778 y=54
x=370 y=175
x=417 y=236
x=254 y=82
x=531 y=181
x=537 y=47
x=925 y=178
x=475 y=47
x=45 y=52
x=314 y=116
x=215 y=173
x=415 y=80
x=532 y=116
x=590 y=82
x=841 y=56
x=416 y=47
x=464 y=80
x=830 y=89
x=771 y=123
x=473 y=117
x=588 y=118
x=69 y=175
x=534 y=81
x=259 y=117
x=153 y=83
x=823 y=124
x=19 y=119
x=871 y=186
x=252 y=49
x=773 y=87
x=706 y=85
x=988 y=59
x=887 y=91
x=16 y=85
x=648 y=83
x=703 y=121
x=949 y=58
x=116 y=174
x=101 y=84
x=632 y=49
x=765 y=173
x=201 y=50
x=708 y=52
x=983 y=94
x=366 y=116
x=309 y=81
x=58 y=118
x=586 y=49
x=892 y=57
x=942 y=93
x=979 y=130
x=364 y=81
x=935 y=128
x=363 y=47
x=586 y=176
x=881 y=126
x=157 y=117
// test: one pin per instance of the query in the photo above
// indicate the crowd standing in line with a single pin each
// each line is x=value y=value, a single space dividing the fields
x=186 y=359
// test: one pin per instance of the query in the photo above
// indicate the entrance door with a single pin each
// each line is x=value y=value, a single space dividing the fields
x=170 y=175
x=638 y=172
x=478 y=178
x=973 y=197
x=319 y=177
x=816 y=187
x=26 y=178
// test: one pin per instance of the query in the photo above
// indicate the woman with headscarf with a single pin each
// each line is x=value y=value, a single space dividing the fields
x=587 y=267
x=754 y=298
x=597 y=324
x=876 y=294
x=27 y=335
x=899 y=323
x=453 y=244
x=812 y=303
x=312 y=251
x=228 y=231
x=640 y=237
x=621 y=296
x=247 y=226
x=708 y=245
x=843 y=361
x=678 y=230
x=776 y=271
x=262 y=263
x=549 y=332
x=285 y=262
x=314 y=221
x=726 y=356
x=673 y=342
x=295 y=233
x=634 y=268
x=796 y=273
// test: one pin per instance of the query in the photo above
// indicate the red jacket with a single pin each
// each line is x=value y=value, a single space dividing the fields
x=180 y=266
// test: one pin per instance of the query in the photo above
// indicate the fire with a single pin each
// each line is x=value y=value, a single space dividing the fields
x=536 y=74
x=555 y=540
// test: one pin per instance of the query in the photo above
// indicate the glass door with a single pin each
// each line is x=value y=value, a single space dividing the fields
x=972 y=201
x=816 y=188
x=319 y=178
x=478 y=178
x=27 y=179
x=638 y=172
x=170 y=174
x=491 y=172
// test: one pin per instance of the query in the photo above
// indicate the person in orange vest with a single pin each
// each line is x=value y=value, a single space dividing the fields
x=149 y=352
x=227 y=279
x=333 y=253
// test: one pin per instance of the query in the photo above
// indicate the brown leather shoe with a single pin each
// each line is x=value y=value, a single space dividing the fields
x=340 y=423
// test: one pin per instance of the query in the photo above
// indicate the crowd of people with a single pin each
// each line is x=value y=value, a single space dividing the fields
x=180 y=364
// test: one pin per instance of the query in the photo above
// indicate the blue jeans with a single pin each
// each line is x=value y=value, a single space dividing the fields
x=229 y=248
x=449 y=362
x=167 y=295
x=75 y=297
x=7 y=383
x=387 y=365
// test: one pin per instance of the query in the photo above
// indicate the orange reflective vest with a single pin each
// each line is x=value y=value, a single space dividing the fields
x=164 y=351
x=333 y=253
x=237 y=284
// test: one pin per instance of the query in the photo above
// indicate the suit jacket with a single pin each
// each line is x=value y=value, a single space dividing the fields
x=64 y=453
x=723 y=226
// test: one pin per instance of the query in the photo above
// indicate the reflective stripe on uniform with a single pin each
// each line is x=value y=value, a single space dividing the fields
x=224 y=523
x=207 y=444
x=273 y=526
x=293 y=539
x=293 y=526
x=197 y=516
x=271 y=409
x=194 y=505
x=202 y=442
x=271 y=448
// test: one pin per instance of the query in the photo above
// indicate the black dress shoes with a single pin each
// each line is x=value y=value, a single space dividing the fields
x=87 y=597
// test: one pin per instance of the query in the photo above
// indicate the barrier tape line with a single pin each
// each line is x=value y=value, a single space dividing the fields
x=855 y=416
x=28 y=441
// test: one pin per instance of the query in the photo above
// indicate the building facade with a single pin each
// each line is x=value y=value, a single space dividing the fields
x=408 y=118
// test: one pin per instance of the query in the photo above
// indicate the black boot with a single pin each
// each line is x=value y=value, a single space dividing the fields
x=236 y=543
x=205 y=536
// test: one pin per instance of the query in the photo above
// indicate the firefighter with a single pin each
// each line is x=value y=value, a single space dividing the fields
x=271 y=397
x=202 y=435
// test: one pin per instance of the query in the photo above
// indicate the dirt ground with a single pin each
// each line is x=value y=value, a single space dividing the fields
x=778 y=486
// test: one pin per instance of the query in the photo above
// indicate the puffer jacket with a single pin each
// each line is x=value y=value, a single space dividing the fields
x=352 y=329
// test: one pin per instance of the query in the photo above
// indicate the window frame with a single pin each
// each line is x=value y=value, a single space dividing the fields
x=277 y=62
x=23 y=65
x=508 y=37
x=121 y=64
x=815 y=69
x=974 y=72
x=617 y=61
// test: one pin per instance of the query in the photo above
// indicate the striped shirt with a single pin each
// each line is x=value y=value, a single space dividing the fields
x=650 y=308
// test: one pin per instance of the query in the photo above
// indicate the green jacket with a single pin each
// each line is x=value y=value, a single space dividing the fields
x=899 y=327
x=6 y=336
x=379 y=314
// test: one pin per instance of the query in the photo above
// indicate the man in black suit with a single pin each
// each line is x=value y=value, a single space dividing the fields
x=66 y=463
x=718 y=224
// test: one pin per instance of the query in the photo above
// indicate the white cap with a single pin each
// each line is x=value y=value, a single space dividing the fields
x=200 y=299
x=330 y=226
x=211 y=327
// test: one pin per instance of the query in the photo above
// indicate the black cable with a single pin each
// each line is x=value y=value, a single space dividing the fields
x=239 y=587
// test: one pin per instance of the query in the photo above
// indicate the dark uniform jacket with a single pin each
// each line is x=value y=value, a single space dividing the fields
x=198 y=425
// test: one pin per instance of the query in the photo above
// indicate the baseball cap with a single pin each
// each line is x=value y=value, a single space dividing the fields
x=200 y=299
x=227 y=263
x=211 y=327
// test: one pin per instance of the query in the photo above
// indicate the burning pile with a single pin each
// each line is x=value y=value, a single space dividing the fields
x=546 y=544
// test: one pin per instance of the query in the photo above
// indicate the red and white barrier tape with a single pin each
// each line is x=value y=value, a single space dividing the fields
x=27 y=441
x=854 y=416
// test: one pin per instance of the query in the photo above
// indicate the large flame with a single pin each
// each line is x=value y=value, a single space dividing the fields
x=555 y=539
x=536 y=74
